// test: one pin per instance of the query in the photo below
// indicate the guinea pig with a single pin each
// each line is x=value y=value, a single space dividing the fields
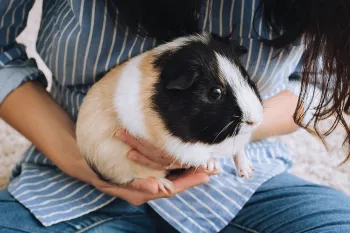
x=190 y=97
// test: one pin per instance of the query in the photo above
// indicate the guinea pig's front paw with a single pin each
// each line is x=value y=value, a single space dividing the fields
x=166 y=186
x=244 y=166
x=212 y=166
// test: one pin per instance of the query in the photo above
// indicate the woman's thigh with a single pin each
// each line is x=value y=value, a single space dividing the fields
x=117 y=217
x=287 y=204
x=14 y=217
x=283 y=204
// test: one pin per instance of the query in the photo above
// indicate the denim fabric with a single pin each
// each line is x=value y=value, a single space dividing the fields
x=284 y=204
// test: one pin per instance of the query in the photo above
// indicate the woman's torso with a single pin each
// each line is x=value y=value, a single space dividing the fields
x=79 y=43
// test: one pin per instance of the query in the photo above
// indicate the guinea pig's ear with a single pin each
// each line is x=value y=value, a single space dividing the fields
x=182 y=81
x=229 y=37
x=241 y=50
x=222 y=39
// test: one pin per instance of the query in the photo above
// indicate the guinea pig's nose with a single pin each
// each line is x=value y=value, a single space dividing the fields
x=251 y=123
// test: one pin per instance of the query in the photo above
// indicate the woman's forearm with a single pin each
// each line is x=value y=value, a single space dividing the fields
x=278 y=116
x=32 y=111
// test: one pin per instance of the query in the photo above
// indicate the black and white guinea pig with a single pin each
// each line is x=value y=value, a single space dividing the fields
x=190 y=97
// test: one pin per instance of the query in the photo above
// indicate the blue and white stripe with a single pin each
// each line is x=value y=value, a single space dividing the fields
x=79 y=43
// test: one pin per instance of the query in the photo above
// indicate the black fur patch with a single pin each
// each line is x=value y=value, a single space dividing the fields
x=190 y=114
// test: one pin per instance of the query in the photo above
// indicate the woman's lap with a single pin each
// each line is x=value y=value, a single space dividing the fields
x=14 y=217
x=283 y=204
x=287 y=204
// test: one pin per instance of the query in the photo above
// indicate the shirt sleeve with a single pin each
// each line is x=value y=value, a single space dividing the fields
x=15 y=66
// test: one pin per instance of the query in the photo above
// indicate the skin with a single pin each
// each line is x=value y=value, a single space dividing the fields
x=37 y=116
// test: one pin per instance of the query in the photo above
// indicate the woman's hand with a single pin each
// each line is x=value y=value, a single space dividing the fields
x=278 y=116
x=142 y=191
x=139 y=191
x=146 y=154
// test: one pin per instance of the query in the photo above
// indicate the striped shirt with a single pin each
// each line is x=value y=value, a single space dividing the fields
x=79 y=43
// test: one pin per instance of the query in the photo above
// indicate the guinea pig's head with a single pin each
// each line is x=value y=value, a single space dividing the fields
x=203 y=94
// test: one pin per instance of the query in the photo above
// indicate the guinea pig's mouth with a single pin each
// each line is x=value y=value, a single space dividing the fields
x=229 y=130
x=235 y=128
x=248 y=127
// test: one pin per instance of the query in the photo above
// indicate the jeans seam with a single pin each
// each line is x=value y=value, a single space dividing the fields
x=13 y=229
x=106 y=220
x=94 y=225
x=244 y=228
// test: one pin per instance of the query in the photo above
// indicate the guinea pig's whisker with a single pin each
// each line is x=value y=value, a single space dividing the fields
x=235 y=132
x=205 y=128
x=223 y=129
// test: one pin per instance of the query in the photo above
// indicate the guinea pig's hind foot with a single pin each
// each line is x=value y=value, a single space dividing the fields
x=166 y=186
x=243 y=165
x=212 y=166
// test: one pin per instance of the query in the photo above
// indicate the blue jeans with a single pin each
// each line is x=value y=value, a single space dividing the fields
x=284 y=204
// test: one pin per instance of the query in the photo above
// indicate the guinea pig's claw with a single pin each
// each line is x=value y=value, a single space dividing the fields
x=166 y=186
x=212 y=166
x=244 y=166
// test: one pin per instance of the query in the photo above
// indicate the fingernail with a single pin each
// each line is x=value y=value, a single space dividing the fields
x=206 y=181
x=217 y=171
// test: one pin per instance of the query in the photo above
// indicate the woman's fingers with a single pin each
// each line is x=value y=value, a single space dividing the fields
x=131 y=141
x=137 y=157
x=135 y=193
x=189 y=179
x=145 y=149
x=147 y=155
x=143 y=190
x=145 y=161
x=148 y=185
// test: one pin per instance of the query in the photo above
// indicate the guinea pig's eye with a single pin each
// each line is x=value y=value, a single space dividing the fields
x=215 y=93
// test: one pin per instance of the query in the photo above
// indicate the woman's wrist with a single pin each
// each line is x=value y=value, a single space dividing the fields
x=257 y=135
x=278 y=116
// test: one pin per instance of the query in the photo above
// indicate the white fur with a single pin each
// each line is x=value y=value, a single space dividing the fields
x=246 y=97
x=180 y=42
x=127 y=99
x=200 y=153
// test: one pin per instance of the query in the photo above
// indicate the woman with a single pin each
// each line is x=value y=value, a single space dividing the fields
x=53 y=190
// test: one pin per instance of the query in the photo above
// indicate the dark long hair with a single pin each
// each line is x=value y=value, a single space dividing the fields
x=160 y=19
x=324 y=26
